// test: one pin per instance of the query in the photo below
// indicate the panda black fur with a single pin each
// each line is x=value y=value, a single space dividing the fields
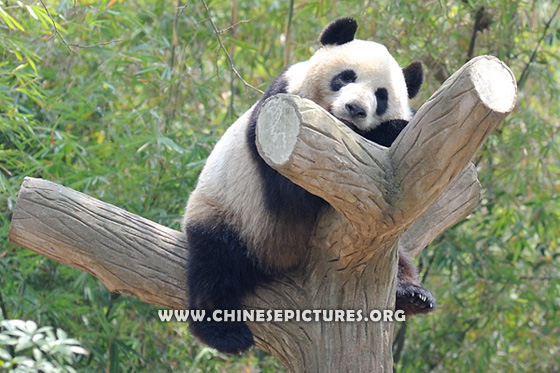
x=246 y=223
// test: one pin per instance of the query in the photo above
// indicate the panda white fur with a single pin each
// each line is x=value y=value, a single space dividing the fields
x=246 y=223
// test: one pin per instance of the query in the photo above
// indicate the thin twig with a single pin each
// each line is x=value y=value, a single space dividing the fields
x=4 y=314
x=288 y=35
x=56 y=28
x=482 y=22
x=223 y=31
x=3 y=311
x=174 y=90
x=525 y=72
x=232 y=96
x=222 y=47
x=398 y=343
x=70 y=45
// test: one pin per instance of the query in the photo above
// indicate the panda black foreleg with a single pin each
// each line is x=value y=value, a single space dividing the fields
x=219 y=274
x=412 y=298
x=386 y=133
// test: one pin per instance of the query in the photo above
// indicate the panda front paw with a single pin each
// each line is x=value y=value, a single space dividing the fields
x=227 y=337
x=413 y=299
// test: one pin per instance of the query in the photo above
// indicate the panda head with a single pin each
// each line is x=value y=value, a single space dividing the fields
x=357 y=81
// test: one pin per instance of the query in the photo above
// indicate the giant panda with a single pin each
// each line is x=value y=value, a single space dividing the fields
x=246 y=223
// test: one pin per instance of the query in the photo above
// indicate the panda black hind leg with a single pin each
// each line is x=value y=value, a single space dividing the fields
x=219 y=274
x=412 y=297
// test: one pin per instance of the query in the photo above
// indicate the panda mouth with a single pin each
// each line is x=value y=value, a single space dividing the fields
x=348 y=124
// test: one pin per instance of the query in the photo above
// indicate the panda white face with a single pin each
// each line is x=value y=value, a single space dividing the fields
x=359 y=82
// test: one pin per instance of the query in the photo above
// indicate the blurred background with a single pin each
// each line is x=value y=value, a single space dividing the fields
x=125 y=100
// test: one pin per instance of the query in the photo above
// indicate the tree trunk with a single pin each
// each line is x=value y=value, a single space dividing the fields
x=382 y=199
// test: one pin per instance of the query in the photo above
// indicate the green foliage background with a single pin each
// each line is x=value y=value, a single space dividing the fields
x=127 y=107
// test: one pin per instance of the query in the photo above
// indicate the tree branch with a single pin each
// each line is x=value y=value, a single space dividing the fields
x=129 y=254
x=447 y=131
x=456 y=202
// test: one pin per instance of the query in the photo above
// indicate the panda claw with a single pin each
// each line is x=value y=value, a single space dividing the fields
x=413 y=299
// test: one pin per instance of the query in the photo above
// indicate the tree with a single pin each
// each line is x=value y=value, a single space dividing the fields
x=376 y=194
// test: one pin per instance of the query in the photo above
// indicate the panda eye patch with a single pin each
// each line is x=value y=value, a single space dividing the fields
x=343 y=78
x=382 y=97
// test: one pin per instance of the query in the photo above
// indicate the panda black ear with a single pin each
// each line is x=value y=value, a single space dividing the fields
x=339 y=32
x=414 y=77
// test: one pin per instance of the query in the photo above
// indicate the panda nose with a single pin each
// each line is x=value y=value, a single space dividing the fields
x=356 y=111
